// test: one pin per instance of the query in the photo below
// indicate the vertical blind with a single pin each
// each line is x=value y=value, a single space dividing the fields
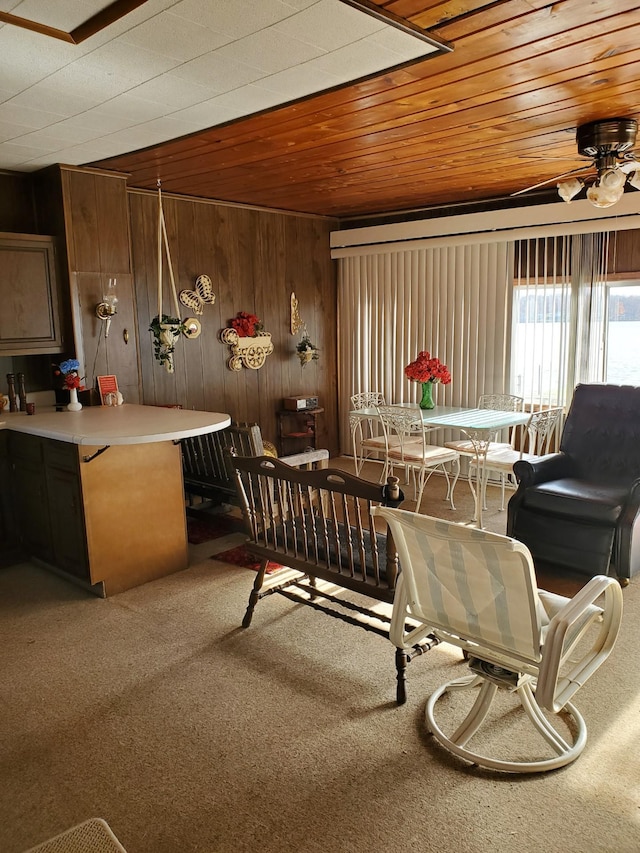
x=452 y=300
x=559 y=316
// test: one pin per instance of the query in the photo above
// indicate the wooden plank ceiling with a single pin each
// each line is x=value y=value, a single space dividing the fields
x=496 y=115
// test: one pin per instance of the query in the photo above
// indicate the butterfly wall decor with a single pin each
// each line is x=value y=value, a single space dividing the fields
x=198 y=298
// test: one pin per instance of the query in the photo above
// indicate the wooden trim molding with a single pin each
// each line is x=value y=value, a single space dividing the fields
x=389 y=17
x=102 y=19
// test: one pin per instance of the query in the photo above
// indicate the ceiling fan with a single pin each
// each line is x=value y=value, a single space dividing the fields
x=609 y=145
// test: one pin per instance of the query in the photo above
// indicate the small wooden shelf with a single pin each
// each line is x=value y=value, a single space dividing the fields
x=297 y=430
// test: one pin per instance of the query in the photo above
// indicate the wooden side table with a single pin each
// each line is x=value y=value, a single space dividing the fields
x=297 y=430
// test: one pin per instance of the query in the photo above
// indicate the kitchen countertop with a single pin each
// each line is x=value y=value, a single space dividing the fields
x=125 y=424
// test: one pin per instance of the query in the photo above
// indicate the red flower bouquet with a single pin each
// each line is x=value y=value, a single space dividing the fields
x=427 y=369
x=246 y=325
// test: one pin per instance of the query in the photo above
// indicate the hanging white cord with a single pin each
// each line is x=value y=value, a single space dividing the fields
x=162 y=237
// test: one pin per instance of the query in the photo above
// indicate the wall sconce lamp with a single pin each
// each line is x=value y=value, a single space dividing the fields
x=106 y=309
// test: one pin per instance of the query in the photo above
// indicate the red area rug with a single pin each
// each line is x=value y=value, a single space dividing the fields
x=205 y=528
x=240 y=556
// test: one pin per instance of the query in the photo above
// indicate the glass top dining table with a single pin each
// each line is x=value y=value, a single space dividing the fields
x=480 y=426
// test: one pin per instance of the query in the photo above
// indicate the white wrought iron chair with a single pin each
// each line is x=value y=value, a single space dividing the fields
x=536 y=440
x=468 y=448
x=407 y=445
x=499 y=402
x=477 y=591
x=366 y=437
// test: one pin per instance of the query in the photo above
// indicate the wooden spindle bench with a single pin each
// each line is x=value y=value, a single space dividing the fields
x=318 y=526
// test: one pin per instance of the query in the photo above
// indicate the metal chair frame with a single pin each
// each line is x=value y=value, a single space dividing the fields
x=407 y=445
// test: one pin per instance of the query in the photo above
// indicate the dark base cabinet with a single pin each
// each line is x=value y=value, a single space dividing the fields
x=9 y=544
x=48 y=502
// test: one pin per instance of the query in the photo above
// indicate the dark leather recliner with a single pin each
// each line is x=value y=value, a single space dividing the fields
x=581 y=507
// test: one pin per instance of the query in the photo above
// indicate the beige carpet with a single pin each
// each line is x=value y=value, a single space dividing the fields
x=153 y=710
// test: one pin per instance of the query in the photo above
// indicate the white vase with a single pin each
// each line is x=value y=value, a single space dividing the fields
x=74 y=404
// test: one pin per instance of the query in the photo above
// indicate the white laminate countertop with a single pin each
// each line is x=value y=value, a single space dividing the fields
x=126 y=424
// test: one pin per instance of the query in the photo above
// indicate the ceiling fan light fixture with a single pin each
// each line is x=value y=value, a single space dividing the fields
x=603 y=196
x=612 y=179
x=569 y=189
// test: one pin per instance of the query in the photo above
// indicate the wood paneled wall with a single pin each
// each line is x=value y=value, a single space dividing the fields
x=255 y=259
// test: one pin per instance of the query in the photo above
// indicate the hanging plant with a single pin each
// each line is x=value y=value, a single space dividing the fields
x=166 y=332
x=307 y=351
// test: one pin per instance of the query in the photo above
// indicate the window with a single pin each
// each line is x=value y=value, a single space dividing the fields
x=622 y=340
x=559 y=320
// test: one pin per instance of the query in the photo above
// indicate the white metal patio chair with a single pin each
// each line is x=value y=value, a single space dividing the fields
x=367 y=439
x=477 y=591
x=407 y=445
x=468 y=448
x=536 y=440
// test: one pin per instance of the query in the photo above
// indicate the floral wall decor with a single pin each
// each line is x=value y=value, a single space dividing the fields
x=296 y=319
x=249 y=343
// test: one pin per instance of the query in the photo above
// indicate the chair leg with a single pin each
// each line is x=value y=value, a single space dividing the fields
x=451 y=486
x=254 y=597
x=401 y=676
x=564 y=752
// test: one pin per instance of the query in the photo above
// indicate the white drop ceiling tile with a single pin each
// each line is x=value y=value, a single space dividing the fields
x=32 y=54
x=87 y=84
x=406 y=46
x=247 y=100
x=63 y=14
x=18 y=148
x=235 y=18
x=300 y=4
x=219 y=73
x=97 y=122
x=362 y=55
x=206 y=114
x=120 y=61
x=16 y=155
x=27 y=117
x=167 y=127
x=174 y=36
x=11 y=130
x=129 y=106
x=48 y=97
x=298 y=81
x=172 y=91
x=129 y=139
x=330 y=24
x=270 y=51
x=57 y=136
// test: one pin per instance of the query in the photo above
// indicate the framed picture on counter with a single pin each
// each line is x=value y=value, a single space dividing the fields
x=108 y=388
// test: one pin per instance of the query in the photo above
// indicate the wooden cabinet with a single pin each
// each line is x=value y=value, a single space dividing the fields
x=9 y=546
x=48 y=502
x=30 y=317
x=64 y=495
x=297 y=430
x=112 y=517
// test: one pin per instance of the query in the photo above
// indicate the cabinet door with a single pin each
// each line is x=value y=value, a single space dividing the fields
x=8 y=534
x=67 y=522
x=31 y=509
x=30 y=316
